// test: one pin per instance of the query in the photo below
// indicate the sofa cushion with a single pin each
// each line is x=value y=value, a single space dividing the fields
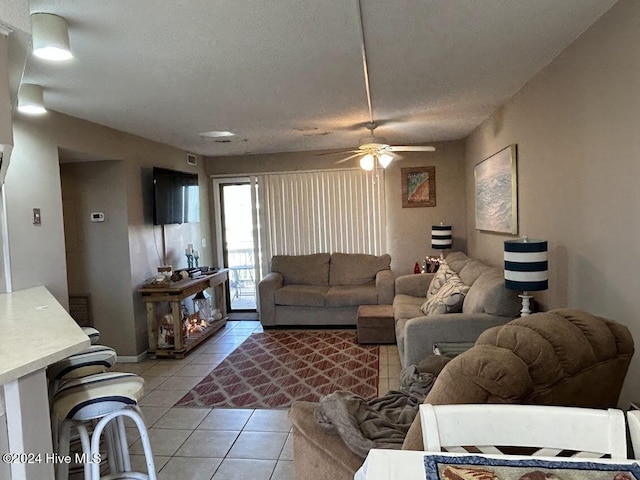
x=302 y=269
x=448 y=299
x=457 y=261
x=343 y=296
x=489 y=295
x=356 y=268
x=301 y=295
x=407 y=306
x=471 y=271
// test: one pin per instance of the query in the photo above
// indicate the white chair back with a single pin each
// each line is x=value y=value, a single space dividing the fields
x=633 y=419
x=584 y=432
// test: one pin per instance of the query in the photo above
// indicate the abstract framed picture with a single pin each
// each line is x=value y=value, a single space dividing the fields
x=418 y=187
x=496 y=192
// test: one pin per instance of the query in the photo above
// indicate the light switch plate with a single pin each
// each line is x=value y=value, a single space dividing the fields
x=37 y=219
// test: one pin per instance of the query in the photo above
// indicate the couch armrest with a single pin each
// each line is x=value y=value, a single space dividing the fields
x=385 y=286
x=415 y=285
x=266 y=294
x=317 y=455
x=421 y=333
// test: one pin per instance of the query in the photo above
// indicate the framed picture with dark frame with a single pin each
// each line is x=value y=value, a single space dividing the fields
x=418 y=187
x=496 y=192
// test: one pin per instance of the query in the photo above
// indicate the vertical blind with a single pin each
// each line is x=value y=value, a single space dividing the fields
x=321 y=211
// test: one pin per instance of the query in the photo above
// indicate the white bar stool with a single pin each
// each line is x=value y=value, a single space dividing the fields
x=106 y=397
x=92 y=333
x=95 y=359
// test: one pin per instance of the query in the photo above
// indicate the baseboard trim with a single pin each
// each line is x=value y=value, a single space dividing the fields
x=243 y=316
x=131 y=359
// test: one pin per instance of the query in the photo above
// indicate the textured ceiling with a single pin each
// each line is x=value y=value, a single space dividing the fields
x=287 y=75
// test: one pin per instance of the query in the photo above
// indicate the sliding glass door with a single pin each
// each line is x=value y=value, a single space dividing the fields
x=238 y=244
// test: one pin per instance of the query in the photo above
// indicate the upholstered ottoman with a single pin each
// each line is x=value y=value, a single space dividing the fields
x=375 y=324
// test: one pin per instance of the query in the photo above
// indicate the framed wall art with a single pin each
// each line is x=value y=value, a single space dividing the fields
x=418 y=187
x=496 y=192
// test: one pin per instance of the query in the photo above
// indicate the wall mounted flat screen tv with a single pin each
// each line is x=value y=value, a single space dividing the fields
x=176 y=197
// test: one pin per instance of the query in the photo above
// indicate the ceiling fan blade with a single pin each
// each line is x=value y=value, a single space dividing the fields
x=407 y=148
x=339 y=152
x=349 y=157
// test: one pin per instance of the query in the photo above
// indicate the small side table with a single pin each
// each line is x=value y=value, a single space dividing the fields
x=375 y=324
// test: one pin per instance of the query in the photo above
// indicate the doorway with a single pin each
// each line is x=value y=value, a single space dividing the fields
x=238 y=244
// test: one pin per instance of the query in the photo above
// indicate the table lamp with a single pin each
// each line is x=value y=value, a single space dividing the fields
x=525 y=268
x=441 y=238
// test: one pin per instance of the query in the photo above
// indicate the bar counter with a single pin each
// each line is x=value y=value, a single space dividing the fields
x=36 y=331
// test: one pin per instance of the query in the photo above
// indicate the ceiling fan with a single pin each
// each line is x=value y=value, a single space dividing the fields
x=374 y=148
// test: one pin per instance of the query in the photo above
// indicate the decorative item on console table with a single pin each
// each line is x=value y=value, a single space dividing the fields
x=174 y=293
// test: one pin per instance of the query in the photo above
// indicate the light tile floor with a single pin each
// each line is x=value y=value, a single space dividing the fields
x=221 y=443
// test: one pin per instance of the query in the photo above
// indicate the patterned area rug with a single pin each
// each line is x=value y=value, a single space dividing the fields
x=275 y=368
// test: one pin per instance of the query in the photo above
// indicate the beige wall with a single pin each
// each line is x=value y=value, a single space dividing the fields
x=97 y=253
x=576 y=126
x=38 y=252
x=408 y=229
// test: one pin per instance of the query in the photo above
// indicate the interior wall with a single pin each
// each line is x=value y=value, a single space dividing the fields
x=408 y=229
x=97 y=253
x=38 y=253
x=576 y=125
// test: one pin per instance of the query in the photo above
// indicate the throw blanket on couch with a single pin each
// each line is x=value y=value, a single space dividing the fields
x=379 y=423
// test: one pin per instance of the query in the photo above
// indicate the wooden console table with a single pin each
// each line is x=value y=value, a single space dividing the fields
x=174 y=293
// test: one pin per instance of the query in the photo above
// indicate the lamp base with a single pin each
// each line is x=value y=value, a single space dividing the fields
x=526 y=304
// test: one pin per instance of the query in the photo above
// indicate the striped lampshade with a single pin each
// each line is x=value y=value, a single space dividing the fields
x=441 y=238
x=525 y=265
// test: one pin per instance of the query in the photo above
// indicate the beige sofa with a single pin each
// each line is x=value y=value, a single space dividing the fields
x=323 y=289
x=562 y=357
x=487 y=303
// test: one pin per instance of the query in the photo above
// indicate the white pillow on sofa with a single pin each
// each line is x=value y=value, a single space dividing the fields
x=448 y=299
x=439 y=279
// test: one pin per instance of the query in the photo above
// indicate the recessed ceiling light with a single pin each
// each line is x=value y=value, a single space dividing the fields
x=217 y=134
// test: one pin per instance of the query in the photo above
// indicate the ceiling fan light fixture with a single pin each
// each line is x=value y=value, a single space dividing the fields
x=384 y=159
x=367 y=162
x=31 y=99
x=50 y=37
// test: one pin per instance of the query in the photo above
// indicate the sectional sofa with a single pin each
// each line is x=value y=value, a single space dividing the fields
x=487 y=303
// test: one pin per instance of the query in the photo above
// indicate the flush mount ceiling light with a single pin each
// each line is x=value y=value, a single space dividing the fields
x=217 y=134
x=50 y=37
x=31 y=99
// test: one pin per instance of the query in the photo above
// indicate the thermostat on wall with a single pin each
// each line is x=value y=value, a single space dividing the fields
x=97 y=217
